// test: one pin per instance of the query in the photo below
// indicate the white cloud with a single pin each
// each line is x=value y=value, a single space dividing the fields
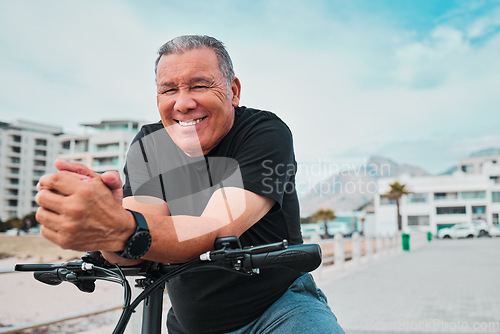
x=76 y=61
x=485 y=24
x=347 y=82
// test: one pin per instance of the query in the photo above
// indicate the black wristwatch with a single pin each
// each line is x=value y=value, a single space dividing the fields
x=137 y=245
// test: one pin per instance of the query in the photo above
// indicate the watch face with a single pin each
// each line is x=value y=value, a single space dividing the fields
x=139 y=245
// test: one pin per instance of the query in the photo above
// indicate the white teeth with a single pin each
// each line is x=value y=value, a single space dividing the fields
x=191 y=122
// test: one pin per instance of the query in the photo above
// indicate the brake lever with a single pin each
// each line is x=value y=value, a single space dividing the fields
x=237 y=255
x=57 y=276
x=267 y=248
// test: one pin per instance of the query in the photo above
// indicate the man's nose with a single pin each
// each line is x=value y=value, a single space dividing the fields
x=184 y=102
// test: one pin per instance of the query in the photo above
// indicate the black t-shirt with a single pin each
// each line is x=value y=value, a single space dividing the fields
x=257 y=155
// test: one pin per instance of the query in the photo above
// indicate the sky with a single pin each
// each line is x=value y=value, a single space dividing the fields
x=414 y=81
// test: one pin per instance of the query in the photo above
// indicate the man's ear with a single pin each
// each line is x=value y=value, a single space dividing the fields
x=235 y=92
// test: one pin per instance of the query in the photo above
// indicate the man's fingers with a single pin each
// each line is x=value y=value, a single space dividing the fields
x=112 y=180
x=75 y=167
x=64 y=182
x=48 y=233
x=54 y=236
x=49 y=200
x=47 y=218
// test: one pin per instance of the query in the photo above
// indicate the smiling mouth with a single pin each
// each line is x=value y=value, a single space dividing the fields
x=190 y=122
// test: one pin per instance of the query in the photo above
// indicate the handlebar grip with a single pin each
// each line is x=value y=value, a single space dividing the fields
x=48 y=277
x=36 y=267
x=303 y=258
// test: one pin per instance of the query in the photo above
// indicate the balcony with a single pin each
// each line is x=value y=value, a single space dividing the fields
x=105 y=161
x=41 y=142
x=473 y=195
x=452 y=196
x=453 y=210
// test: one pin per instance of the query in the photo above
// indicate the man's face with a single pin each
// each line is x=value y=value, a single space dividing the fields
x=195 y=104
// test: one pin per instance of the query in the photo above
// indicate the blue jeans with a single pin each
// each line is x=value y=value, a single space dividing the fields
x=302 y=309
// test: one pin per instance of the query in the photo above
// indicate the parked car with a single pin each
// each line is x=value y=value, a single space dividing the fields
x=494 y=231
x=482 y=227
x=308 y=230
x=458 y=231
x=339 y=227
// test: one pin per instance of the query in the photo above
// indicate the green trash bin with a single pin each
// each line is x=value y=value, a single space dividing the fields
x=429 y=236
x=406 y=241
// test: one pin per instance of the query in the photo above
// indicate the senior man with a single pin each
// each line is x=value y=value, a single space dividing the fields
x=210 y=168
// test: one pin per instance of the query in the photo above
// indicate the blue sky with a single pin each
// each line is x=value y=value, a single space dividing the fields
x=416 y=81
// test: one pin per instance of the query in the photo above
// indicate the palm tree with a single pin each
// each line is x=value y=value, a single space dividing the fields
x=324 y=215
x=397 y=191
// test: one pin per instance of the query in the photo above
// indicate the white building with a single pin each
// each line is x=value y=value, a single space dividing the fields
x=471 y=193
x=27 y=151
x=103 y=148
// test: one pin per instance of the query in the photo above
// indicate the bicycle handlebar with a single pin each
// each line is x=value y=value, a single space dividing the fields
x=228 y=255
x=303 y=258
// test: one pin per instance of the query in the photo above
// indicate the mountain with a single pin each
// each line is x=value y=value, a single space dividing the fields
x=450 y=170
x=350 y=189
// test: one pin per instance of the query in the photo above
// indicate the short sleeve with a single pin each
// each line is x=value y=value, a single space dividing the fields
x=266 y=158
x=141 y=174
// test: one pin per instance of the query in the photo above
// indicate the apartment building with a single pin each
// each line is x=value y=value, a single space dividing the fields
x=27 y=151
x=103 y=147
x=471 y=193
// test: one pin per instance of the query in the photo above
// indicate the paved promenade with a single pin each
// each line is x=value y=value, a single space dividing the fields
x=447 y=286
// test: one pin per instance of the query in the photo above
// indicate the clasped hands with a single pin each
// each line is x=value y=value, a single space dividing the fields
x=82 y=210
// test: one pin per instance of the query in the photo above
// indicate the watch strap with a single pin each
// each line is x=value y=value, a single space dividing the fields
x=141 y=226
x=140 y=221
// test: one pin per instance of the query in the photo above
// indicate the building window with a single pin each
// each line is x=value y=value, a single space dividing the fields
x=495 y=179
x=495 y=219
x=418 y=220
x=473 y=194
x=41 y=142
x=467 y=168
x=478 y=209
x=16 y=149
x=40 y=153
x=14 y=181
x=384 y=200
x=417 y=198
x=40 y=163
x=66 y=146
x=495 y=196
x=37 y=173
x=15 y=160
x=451 y=210
x=81 y=146
x=12 y=202
x=445 y=196
x=106 y=161
x=107 y=147
x=16 y=139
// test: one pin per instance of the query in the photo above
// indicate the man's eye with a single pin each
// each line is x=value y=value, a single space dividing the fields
x=169 y=91
x=200 y=87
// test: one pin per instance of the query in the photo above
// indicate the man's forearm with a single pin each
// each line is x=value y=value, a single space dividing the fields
x=181 y=238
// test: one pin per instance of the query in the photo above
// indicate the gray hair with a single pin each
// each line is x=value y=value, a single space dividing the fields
x=184 y=43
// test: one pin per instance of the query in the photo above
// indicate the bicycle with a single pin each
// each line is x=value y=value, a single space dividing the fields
x=227 y=254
